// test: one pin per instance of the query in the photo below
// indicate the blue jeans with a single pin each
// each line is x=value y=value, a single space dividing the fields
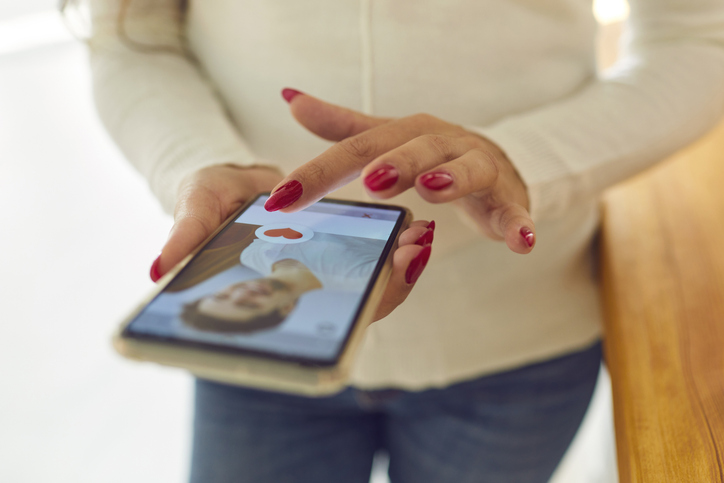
x=513 y=426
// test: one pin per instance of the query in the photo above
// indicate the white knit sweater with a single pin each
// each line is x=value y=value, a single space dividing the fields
x=520 y=72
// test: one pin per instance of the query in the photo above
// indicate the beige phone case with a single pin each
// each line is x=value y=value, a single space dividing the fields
x=248 y=370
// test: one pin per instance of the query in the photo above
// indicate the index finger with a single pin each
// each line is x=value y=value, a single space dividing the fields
x=343 y=162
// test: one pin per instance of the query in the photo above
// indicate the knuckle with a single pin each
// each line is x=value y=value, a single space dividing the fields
x=191 y=197
x=469 y=140
x=440 y=144
x=493 y=162
x=423 y=118
x=487 y=163
x=404 y=161
x=469 y=172
x=207 y=225
x=314 y=172
x=359 y=146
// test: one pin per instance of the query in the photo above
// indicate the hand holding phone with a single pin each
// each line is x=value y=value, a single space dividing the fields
x=208 y=196
x=280 y=300
x=205 y=199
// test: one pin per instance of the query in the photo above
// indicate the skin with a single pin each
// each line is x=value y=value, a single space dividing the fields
x=208 y=196
x=485 y=183
x=245 y=301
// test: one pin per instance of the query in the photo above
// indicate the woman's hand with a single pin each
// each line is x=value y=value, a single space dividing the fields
x=408 y=262
x=442 y=161
x=209 y=196
x=205 y=199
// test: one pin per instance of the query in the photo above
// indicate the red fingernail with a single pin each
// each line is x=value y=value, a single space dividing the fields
x=425 y=238
x=381 y=179
x=155 y=274
x=436 y=181
x=289 y=94
x=417 y=265
x=528 y=236
x=284 y=196
x=431 y=225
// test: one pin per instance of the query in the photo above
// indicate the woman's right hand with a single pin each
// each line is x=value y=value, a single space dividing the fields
x=205 y=199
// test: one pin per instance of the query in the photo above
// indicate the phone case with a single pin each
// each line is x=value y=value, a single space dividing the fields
x=249 y=370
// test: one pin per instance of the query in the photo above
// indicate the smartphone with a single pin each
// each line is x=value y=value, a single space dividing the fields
x=276 y=301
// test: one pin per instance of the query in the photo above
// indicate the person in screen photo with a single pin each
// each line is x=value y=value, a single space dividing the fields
x=289 y=271
x=252 y=305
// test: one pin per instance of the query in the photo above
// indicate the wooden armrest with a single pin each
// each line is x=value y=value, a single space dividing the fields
x=663 y=289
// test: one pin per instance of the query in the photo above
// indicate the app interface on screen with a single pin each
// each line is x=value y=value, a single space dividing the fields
x=286 y=284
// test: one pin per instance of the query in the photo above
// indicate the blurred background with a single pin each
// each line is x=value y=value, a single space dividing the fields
x=78 y=232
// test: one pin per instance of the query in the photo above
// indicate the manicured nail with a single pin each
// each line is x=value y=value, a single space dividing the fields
x=155 y=274
x=381 y=179
x=425 y=238
x=417 y=265
x=289 y=94
x=431 y=225
x=284 y=196
x=528 y=236
x=436 y=181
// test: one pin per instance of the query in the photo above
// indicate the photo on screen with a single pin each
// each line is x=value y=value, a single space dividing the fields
x=276 y=283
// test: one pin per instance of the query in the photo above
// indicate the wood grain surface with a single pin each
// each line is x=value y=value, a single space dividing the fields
x=663 y=288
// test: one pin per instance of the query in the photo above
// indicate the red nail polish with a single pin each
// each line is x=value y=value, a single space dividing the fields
x=155 y=274
x=284 y=196
x=425 y=238
x=528 y=236
x=417 y=265
x=289 y=94
x=436 y=181
x=431 y=225
x=381 y=179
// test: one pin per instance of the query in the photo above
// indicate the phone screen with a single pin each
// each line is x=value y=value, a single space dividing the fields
x=280 y=285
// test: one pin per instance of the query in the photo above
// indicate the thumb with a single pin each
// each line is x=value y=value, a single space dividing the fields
x=326 y=120
x=205 y=200
x=198 y=214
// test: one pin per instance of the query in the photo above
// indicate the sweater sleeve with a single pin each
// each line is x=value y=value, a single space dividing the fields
x=154 y=101
x=665 y=91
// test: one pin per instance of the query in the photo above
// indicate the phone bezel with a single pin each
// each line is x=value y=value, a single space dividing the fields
x=304 y=361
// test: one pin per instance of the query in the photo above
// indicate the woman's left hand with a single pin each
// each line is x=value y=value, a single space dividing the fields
x=442 y=161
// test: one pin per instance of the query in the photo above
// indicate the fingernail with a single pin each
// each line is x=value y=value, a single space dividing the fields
x=284 y=196
x=289 y=94
x=155 y=274
x=528 y=236
x=436 y=181
x=431 y=225
x=425 y=238
x=381 y=179
x=417 y=265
